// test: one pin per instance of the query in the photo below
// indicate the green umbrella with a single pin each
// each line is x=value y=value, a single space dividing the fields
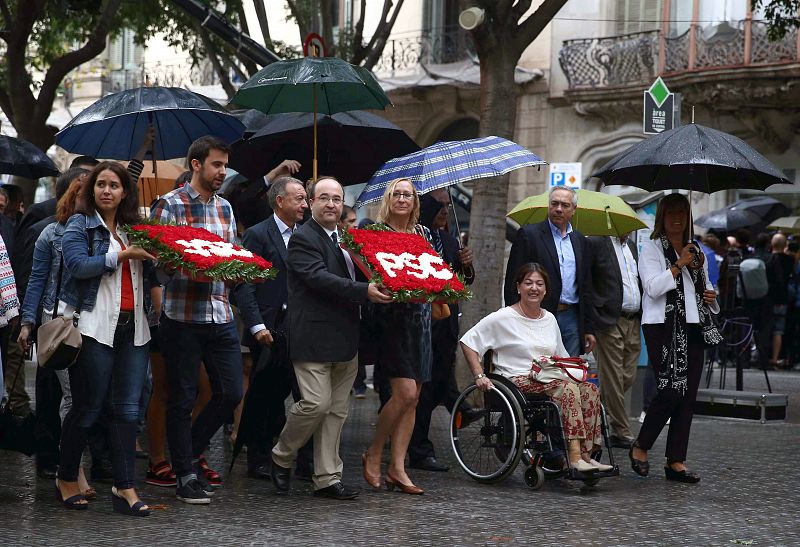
x=786 y=224
x=597 y=214
x=312 y=84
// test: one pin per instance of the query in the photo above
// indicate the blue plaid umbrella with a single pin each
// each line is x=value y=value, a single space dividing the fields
x=447 y=163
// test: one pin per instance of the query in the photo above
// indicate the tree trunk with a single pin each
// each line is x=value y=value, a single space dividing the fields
x=487 y=235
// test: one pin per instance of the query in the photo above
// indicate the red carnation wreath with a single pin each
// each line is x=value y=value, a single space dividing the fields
x=204 y=256
x=406 y=265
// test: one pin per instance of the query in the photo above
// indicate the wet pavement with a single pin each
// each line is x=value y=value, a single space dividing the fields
x=747 y=496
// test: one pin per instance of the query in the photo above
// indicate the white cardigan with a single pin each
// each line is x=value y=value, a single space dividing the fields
x=657 y=281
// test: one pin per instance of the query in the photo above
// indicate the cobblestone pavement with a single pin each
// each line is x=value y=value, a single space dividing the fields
x=747 y=496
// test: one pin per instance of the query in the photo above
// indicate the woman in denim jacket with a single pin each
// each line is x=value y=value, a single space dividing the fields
x=103 y=280
x=42 y=283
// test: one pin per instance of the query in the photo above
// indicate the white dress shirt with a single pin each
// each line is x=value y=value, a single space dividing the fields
x=657 y=281
x=351 y=269
x=631 y=298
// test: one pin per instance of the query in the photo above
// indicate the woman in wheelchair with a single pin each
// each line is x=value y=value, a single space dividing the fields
x=518 y=335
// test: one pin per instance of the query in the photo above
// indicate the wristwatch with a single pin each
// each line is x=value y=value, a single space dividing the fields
x=479 y=376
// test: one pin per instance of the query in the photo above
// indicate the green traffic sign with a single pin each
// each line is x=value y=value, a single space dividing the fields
x=659 y=91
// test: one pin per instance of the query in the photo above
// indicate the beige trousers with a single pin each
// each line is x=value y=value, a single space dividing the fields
x=617 y=354
x=321 y=412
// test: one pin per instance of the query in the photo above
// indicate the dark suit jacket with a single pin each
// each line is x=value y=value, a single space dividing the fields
x=324 y=302
x=534 y=243
x=260 y=303
x=607 y=281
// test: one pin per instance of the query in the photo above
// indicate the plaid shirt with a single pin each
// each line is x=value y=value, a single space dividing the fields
x=186 y=300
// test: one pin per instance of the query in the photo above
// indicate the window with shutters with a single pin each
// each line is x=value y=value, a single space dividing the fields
x=638 y=15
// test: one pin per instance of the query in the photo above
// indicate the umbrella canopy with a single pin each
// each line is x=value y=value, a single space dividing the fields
x=446 y=163
x=297 y=85
x=352 y=145
x=786 y=224
x=114 y=127
x=727 y=220
x=765 y=207
x=691 y=157
x=597 y=214
x=23 y=159
x=154 y=184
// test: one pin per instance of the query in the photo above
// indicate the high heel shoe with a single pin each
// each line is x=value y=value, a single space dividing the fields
x=72 y=502
x=392 y=482
x=121 y=505
x=640 y=467
x=371 y=480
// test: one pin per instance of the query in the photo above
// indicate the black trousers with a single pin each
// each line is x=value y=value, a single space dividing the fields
x=48 y=421
x=282 y=383
x=668 y=404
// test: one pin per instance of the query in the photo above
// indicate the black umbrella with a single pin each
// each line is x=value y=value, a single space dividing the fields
x=114 y=127
x=352 y=145
x=23 y=159
x=252 y=119
x=727 y=220
x=766 y=208
x=691 y=157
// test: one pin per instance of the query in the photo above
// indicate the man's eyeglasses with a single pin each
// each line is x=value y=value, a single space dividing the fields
x=403 y=195
x=337 y=200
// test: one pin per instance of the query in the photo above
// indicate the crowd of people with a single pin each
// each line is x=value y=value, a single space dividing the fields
x=173 y=356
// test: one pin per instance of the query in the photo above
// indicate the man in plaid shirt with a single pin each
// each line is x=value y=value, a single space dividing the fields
x=197 y=324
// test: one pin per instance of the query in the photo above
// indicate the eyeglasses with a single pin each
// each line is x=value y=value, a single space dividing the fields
x=337 y=200
x=402 y=195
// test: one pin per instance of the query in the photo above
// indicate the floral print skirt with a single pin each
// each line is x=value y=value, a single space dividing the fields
x=580 y=407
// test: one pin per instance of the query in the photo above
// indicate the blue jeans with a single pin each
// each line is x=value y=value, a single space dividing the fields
x=122 y=370
x=570 y=335
x=185 y=346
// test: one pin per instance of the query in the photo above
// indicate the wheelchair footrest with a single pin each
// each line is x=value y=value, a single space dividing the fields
x=575 y=475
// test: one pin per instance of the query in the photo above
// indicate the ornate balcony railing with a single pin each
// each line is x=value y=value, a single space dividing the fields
x=406 y=54
x=635 y=58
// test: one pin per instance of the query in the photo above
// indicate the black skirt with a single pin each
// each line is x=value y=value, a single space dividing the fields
x=402 y=341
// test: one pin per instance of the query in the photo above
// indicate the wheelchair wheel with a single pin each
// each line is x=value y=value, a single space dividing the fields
x=534 y=477
x=488 y=448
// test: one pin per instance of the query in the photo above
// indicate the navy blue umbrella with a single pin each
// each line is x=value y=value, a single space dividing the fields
x=114 y=127
x=21 y=158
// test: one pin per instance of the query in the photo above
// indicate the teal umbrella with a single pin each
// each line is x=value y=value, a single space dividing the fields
x=312 y=84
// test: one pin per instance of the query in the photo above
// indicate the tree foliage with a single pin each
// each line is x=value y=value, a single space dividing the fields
x=782 y=16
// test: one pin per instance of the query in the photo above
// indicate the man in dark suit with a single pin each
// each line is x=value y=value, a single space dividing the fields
x=618 y=318
x=324 y=314
x=261 y=305
x=565 y=255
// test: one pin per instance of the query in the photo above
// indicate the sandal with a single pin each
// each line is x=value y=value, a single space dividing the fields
x=213 y=478
x=121 y=505
x=72 y=502
x=90 y=493
x=161 y=474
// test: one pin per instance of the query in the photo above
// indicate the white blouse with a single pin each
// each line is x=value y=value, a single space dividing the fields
x=657 y=281
x=515 y=340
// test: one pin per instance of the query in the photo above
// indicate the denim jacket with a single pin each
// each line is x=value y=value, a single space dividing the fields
x=42 y=281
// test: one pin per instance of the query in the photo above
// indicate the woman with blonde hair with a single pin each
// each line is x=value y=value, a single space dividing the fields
x=403 y=353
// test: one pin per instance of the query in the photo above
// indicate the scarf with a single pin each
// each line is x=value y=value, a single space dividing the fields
x=674 y=361
x=9 y=303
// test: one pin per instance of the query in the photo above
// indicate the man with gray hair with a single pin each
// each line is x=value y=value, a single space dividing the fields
x=566 y=256
x=261 y=304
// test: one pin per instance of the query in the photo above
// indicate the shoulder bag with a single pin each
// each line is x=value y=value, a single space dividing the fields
x=548 y=369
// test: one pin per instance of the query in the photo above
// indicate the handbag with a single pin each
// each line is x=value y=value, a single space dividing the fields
x=439 y=311
x=59 y=340
x=570 y=369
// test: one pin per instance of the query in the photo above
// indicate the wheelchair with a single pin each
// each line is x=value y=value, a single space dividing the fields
x=511 y=427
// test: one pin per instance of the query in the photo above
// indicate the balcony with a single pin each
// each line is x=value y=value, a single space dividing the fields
x=403 y=55
x=634 y=60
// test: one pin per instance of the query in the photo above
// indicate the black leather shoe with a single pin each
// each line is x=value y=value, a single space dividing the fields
x=337 y=491
x=47 y=471
x=620 y=442
x=281 y=478
x=681 y=476
x=260 y=472
x=429 y=464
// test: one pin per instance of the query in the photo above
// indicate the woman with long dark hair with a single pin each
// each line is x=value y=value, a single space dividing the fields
x=103 y=283
x=677 y=304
